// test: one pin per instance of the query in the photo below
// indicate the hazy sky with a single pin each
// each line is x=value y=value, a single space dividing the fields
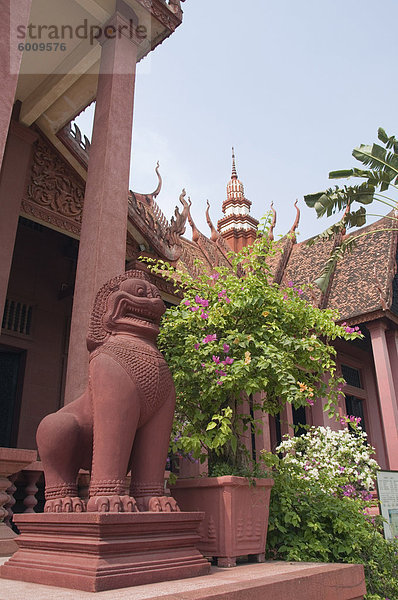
x=293 y=85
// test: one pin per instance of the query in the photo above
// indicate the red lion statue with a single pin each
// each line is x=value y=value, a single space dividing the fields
x=123 y=420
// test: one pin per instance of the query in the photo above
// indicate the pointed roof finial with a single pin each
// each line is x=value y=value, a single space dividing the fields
x=234 y=173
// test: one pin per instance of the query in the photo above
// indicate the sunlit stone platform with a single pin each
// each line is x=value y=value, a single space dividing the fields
x=276 y=580
x=97 y=551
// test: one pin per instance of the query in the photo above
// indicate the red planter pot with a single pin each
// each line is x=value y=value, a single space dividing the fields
x=236 y=515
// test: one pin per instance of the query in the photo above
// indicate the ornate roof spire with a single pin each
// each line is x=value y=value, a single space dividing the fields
x=234 y=173
x=237 y=226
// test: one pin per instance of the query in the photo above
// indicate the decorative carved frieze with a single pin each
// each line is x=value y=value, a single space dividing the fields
x=55 y=193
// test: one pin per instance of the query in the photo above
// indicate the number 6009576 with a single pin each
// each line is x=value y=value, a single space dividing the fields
x=41 y=46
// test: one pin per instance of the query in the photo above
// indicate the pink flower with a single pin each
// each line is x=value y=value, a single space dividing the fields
x=186 y=302
x=290 y=284
x=212 y=337
x=198 y=299
x=215 y=276
x=205 y=303
x=310 y=401
x=349 y=329
x=219 y=382
x=216 y=359
x=228 y=361
x=225 y=348
x=354 y=419
x=227 y=300
x=204 y=315
x=194 y=308
x=203 y=365
x=197 y=346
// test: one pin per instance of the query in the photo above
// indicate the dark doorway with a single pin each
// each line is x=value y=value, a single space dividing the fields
x=299 y=419
x=12 y=365
x=354 y=406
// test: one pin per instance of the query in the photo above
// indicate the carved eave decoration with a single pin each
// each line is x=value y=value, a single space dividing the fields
x=146 y=217
x=168 y=14
x=55 y=193
x=77 y=144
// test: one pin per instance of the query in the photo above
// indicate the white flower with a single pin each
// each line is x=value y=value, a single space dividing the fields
x=334 y=458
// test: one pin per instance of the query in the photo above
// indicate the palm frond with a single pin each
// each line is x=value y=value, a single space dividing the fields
x=335 y=199
x=390 y=142
x=380 y=174
x=378 y=159
x=323 y=280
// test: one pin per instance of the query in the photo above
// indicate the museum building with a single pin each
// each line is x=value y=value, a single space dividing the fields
x=68 y=223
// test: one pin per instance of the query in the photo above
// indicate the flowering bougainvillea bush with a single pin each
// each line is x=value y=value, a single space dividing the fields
x=339 y=461
x=320 y=503
x=236 y=333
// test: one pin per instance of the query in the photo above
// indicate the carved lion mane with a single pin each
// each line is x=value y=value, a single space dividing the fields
x=97 y=334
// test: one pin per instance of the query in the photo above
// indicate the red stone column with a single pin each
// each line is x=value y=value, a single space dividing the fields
x=263 y=433
x=392 y=343
x=10 y=60
x=385 y=384
x=286 y=416
x=102 y=249
x=13 y=181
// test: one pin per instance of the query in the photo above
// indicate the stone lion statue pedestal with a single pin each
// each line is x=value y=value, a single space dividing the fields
x=121 y=537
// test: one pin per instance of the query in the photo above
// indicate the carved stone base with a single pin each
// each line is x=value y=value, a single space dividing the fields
x=103 y=551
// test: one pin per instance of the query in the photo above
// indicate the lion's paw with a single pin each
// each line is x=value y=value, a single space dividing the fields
x=68 y=504
x=112 y=504
x=157 y=504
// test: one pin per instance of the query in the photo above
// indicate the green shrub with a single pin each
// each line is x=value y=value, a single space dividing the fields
x=312 y=520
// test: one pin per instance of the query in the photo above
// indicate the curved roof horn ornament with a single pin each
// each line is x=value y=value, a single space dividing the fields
x=214 y=233
x=159 y=187
x=297 y=220
x=273 y=223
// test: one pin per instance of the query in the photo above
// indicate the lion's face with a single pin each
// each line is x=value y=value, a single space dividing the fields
x=135 y=308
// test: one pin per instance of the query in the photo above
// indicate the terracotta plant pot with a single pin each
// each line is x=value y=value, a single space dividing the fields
x=236 y=515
